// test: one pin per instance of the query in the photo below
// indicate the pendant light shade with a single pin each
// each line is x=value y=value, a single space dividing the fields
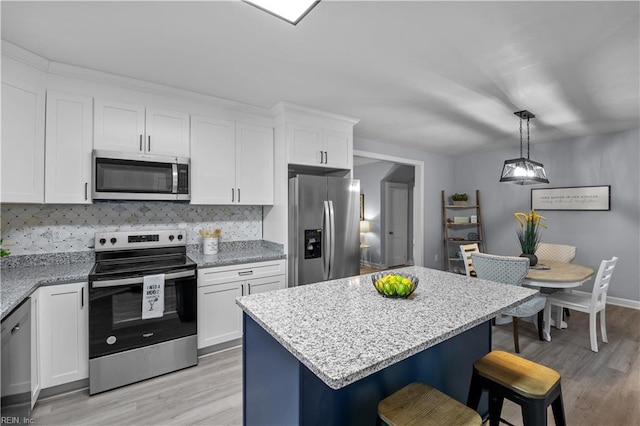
x=523 y=171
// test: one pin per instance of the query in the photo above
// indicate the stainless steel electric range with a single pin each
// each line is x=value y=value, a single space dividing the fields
x=142 y=308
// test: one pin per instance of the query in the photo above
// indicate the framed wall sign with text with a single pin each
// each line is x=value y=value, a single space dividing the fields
x=596 y=198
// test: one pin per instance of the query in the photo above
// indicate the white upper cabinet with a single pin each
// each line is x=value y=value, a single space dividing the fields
x=254 y=164
x=306 y=145
x=133 y=128
x=22 y=143
x=338 y=148
x=68 y=148
x=167 y=133
x=213 y=160
x=231 y=163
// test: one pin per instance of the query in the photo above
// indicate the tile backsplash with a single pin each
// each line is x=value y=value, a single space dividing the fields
x=38 y=229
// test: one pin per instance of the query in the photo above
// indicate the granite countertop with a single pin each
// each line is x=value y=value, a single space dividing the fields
x=21 y=275
x=343 y=330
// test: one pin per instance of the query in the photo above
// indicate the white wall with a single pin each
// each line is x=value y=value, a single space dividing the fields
x=609 y=159
x=438 y=175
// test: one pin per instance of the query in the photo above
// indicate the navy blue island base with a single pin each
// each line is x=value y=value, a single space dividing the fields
x=279 y=390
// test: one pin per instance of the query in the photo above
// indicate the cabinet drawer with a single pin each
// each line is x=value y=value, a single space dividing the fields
x=247 y=271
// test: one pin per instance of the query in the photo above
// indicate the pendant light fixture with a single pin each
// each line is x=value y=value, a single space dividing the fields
x=523 y=171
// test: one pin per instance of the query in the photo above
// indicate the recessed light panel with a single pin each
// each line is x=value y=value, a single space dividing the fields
x=290 y=10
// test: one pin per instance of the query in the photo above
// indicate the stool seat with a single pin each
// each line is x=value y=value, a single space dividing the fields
x=532 y=386
x=420 y=404
x=523 y=376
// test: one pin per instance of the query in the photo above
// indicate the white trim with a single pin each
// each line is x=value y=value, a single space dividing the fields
x=288 y=107
x=617 y=301
x=418 y=199
x=19 y=54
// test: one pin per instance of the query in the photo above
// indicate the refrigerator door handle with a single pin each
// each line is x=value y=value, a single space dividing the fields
x=332 y=237
x=326 y=228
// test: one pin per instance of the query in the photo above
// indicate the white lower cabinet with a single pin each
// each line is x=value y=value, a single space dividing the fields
x=63 y=333
x=219 y=318
x=35 y=347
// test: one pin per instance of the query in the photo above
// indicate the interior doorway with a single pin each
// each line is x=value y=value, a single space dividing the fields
x=375 y=171
x=396 y=214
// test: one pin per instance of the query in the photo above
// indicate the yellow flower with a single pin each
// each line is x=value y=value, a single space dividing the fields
x=532 y=217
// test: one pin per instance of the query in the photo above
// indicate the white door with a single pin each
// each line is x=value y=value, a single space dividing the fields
x=68 y=149
x=167 y=133
x=254 y=165
x=64 y=324
x=262 y=285
x=338 y=149
x=396 y=214
x=305 y=145
x=219 y=318
x=22 y=144
x=213 y=163
x=118 y=126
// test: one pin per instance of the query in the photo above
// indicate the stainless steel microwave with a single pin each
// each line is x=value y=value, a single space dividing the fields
x=136 y=176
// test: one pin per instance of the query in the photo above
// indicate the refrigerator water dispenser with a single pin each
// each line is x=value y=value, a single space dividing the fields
x=312 y=243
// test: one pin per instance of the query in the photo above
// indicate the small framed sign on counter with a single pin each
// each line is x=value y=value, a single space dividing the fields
x=595 y=198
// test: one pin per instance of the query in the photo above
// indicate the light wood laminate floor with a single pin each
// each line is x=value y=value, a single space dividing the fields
x=598 y=388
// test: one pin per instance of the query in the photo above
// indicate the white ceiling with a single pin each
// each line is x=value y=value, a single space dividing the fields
x=440 y=76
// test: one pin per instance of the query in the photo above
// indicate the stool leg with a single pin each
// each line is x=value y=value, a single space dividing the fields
x=534 y=413
x=540 y=321
x=475 y=392
x=495 y=408
x=558 y=410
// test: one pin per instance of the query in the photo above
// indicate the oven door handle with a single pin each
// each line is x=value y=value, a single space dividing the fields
x=140 y=280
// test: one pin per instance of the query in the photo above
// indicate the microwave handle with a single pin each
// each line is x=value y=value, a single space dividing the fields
x=174 y=171
x=140 y=280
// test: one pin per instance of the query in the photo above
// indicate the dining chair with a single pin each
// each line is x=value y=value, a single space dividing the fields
x=510 y=270
x=465 y=251
x=590 y=304
x=557 y=252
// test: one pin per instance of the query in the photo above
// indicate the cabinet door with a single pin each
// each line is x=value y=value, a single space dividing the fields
x=338 y=146
x=167 y=133
x=262 y=285
x=35 y=347
x=118 y=126
x=68 y=149
x=219 y=318
x=254 y=165
x=305 y=145
x=22 y=144
x=213 y=163
x=64 y=344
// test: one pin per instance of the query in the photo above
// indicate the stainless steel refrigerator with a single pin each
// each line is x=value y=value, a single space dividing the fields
x=324 y=241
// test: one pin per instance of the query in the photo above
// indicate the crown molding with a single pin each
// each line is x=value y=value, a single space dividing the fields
x=282 y=108
x=19 y=54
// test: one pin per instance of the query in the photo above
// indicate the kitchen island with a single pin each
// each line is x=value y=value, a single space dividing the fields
x=326 y=353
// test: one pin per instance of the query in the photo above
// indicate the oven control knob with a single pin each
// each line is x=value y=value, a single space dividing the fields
x=179 y=237
x=111 y=340
x=103 y=241
x=171 y=237
x=113 y=240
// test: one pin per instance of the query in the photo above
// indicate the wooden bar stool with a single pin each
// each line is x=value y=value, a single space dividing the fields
x=420 y=404
x=532 y=386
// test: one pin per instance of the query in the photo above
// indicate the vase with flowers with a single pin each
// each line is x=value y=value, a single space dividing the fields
x=529 y=234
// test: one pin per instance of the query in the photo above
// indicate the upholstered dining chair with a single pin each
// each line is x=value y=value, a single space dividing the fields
x=510 y=270
x=589 y=303
x=465 y=251
x=557 y=252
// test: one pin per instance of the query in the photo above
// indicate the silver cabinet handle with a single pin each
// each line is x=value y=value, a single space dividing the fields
x=149 y=143
x=86 y=191
x=326 y=157
x=249 y=286
x=140 y=142
x=233 y=194
x=238 y=194
x=321 y=157
x=82 y=297
x=244 y=273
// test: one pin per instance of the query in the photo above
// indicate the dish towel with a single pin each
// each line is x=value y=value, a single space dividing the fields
x=153 y=296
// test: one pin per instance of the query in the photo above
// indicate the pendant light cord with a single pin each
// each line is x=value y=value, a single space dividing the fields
x=527 y=138
x=520 y=137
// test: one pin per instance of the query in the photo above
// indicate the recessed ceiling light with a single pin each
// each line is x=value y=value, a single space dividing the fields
x=291 y=11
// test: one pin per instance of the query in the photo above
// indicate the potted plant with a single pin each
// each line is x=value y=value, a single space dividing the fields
x=459 y=199
x=529 y=234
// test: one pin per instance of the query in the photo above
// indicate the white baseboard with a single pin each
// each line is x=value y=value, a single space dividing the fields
x=618 y=301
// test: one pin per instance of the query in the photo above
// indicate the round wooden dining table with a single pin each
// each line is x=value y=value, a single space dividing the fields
x=559 y=276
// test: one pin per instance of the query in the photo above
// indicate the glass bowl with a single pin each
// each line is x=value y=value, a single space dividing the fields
x=388 y=285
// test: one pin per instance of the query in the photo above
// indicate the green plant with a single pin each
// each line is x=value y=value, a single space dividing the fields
x=459 y=197
x=4 y=252
x=528 y=234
